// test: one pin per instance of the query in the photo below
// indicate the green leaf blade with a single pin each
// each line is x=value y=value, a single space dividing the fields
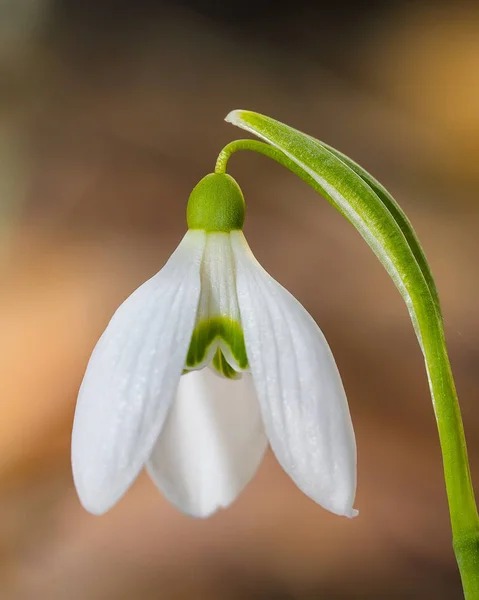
x=362 y=201
x=398 y=215
x=367 y=205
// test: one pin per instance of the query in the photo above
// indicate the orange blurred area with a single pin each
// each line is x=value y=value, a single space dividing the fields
x=106 y=124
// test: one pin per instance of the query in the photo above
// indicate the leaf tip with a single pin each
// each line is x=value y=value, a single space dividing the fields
x=234 y=116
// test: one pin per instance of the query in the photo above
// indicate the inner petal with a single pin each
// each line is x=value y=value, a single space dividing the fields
x=218 y=335
x=211 y=445
x=223 y=367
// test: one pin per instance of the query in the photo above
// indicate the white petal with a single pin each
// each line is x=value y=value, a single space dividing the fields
x=132 y=378
x=218 y=317
x=211 y=445
x=218 y=290
x=302 y=398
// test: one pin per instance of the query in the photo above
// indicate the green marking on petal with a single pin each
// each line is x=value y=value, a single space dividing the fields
x=223 y=367
x=210 y=330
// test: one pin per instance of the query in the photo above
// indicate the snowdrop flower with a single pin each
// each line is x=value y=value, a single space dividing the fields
x=203 y=366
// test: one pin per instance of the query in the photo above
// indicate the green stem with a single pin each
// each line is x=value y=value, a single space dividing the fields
x=261 y=148
x=430 y=332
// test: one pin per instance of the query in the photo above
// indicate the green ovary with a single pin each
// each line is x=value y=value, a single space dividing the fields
x=210 y=331
x=216 y=204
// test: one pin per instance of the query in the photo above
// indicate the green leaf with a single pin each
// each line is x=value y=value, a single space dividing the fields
x=360 y=199
x=366 y=204
x=398 y=215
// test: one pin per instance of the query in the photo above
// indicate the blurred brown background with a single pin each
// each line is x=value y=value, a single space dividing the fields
x=110 y=112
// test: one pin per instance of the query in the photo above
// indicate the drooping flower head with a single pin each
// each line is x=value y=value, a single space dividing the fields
x=200 y=368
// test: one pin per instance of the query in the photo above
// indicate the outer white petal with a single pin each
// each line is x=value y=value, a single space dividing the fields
x=302 y=398
x=211 y=445
x=132 y=377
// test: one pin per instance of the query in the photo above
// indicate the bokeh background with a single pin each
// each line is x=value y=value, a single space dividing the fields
x=110 y=112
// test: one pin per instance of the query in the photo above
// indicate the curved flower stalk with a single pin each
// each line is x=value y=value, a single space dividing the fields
x=384 y=226
x=200 y=368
